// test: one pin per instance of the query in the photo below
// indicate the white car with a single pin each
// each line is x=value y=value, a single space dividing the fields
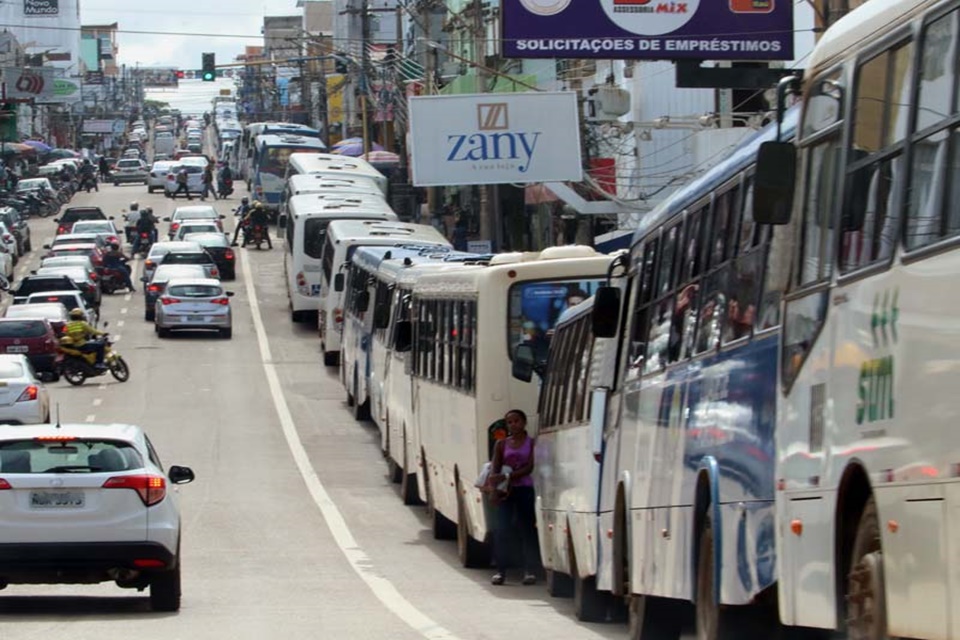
x=194 y=303
x=103 y=228
x=196 y=226
x=194 y=179
x=88 y=503
x=8 y=251
x=158 y=174
x=71 y=300
x=23 y=397
x=202 y=212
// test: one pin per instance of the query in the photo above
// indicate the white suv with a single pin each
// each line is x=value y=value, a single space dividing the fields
x=86 y=503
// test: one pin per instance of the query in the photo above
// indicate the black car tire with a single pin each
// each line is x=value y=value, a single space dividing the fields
x=165 y=590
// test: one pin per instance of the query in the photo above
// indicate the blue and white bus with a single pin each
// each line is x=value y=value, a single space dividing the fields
x=248 y=139
x=686 y=510
x=271 y=155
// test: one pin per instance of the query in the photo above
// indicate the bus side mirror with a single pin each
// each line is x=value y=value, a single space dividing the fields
x=524 y=362
x=363 y=301
x=402 y=336
x=338 y=282
x=381 y=316
x=606 y=312
x=774 y=182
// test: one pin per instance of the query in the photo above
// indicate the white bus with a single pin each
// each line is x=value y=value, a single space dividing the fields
x=305 y=234
x=343 y=238
x=576 y=383
x=335 y=166
x=271 y=156
x=247 y=142
x=467 y=322
x=867 y=468
x=316 y=183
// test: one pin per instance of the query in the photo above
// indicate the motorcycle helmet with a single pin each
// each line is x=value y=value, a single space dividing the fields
x=115 y=246
x=77 y=314
x=134 y=205
x=244 y=200
x=257 y=204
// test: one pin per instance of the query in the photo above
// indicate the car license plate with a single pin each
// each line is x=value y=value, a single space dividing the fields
x=18 y=348
x=56 y=499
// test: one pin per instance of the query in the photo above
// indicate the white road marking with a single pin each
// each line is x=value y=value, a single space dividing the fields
x=123 y=311
x=97 y=402
x=115 y=338
x=91 y=417
x=361 y=563
x=103 y=385
x=120 y=323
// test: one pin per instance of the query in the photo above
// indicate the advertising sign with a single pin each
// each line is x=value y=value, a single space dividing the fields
x=494 y=138
x=48 y=27
x=29 y=84
x=158 y=77
x=649 y=29
x=41 y=8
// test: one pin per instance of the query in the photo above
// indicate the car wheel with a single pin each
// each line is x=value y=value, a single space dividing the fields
x=227 y=333
x=165 y=590
x=116 y=184
x=149 y=189
x=28 y=246
x=163 y=333
x=148 y=316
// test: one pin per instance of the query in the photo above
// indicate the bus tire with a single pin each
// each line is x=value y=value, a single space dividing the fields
x=473 y=553
x=654 y=618
x=865 y=596
x=408 y=482
x=589 y=605
x=559 y=585
x=299 y=316
x=442 y=528
x=361 y=410
x=331 y=358
x=713 y=620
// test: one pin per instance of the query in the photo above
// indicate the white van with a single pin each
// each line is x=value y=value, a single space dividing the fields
x=316 y=183
x=305 y=234
x=164 y=143
x=343 y=237
x=332 y=165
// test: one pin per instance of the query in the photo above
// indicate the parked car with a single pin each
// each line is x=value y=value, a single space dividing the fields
x=23 y=397
x=194 y=303
x=162 y=275
x=18 y=227
x=218 y=246
x=158 y=173
x=113 y=519
x=34 y=337
x=130 y=169
x=72 y=214
x=53 y=312
x=8 y=241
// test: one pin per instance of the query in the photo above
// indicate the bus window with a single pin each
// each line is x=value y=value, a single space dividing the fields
x=314 y=236
x=742 y=296
x=535 y=306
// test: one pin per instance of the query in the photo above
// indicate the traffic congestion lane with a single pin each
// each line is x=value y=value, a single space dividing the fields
x=257 y=555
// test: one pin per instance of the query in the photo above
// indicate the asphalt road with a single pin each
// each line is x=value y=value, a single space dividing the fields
x=292 y=528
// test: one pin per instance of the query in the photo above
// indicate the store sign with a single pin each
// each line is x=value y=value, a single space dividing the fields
x=494 y=138
x=29 y=84
x=41 y=8
x=649 y=29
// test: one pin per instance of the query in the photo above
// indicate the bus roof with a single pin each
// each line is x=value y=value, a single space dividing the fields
x=280 y=127
x=289 y=141
x=743 y=156
x=391 y=260
x=317 y=162
x=331 y=204
x=380 y=232
x=864 y=24
x=317 y=183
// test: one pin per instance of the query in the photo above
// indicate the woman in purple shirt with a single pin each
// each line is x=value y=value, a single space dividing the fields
x=516 y=519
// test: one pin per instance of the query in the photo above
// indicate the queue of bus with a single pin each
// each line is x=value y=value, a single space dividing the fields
x=744 y=422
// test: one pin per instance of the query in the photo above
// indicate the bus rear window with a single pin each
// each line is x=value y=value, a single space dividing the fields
x=535 y=307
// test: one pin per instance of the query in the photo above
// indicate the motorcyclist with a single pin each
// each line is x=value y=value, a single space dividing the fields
x=259 y=217
x=146 y=224
x=130 y=219
x=104 y=168
x=82 y=336
x=115 y=259
x=87 y=172
x=241 y=212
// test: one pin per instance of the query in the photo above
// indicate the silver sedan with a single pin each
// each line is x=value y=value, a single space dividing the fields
x=194 y=303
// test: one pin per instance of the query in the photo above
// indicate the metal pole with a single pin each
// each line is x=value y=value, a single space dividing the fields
x=428 y=72
x=365 y=73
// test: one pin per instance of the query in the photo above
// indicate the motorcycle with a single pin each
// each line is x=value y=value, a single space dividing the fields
x=145 y=243
x=77 y=365
x=256 y=235
x=113 y=278
x=224 y=188
x=88 y=182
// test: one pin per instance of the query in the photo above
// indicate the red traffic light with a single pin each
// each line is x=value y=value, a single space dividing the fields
x=180 y=74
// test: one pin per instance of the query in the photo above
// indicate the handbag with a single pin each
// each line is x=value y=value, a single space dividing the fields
x=483 y=479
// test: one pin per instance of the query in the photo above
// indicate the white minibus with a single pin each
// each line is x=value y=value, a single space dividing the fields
x=309 y=216
x=343 y=238
x=332 y=165
x=316 y=183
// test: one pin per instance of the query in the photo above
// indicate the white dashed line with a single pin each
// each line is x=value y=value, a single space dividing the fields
x=91 y=417
x=103 y=385
x=120 y=323
x=115 y=338
x=97 y=402
x=123 y=311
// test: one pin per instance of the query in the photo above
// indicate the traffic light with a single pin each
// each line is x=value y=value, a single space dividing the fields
x=180 y=74
x=208 y=71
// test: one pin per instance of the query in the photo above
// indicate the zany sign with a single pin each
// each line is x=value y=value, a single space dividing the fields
x=494 y=138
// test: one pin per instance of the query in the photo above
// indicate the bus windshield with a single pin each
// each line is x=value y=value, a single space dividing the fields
x=274 y=160
x=536 y=306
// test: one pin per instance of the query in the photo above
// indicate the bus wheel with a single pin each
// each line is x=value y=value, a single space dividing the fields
x=589 y=605
x=408 y=481
x=654 y=618
x=361 y=410
x=443 y=529
x=714 y=621
x=866 y=603
x=559 y=585
x=473 y=553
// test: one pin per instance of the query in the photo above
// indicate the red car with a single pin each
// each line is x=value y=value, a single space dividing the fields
x=34 y=338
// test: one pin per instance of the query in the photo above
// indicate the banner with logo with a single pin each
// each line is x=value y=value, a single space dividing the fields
x=494 y=138
x=157 y=77
x=649 y=29
x=29 y=84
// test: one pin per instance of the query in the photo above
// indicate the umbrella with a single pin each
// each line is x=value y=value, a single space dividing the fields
x=15 y=148
x=381 y=157
x=355 y=149
x=42 y=147
x=62 y=153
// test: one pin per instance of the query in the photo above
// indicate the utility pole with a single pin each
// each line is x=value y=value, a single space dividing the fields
x=428 y=71
x=365 y=73
x=489 y=229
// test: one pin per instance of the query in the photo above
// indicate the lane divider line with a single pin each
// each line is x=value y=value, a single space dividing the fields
x=91 y=417
x=359 y=561
x=97 y=402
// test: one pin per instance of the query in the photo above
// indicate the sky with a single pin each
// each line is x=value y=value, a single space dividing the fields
x=184 y=17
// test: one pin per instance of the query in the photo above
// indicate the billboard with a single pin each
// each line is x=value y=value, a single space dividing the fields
x=51 y=27
x=158 y=77
x=494 y=138
x=649 y=29
x=29 y=84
